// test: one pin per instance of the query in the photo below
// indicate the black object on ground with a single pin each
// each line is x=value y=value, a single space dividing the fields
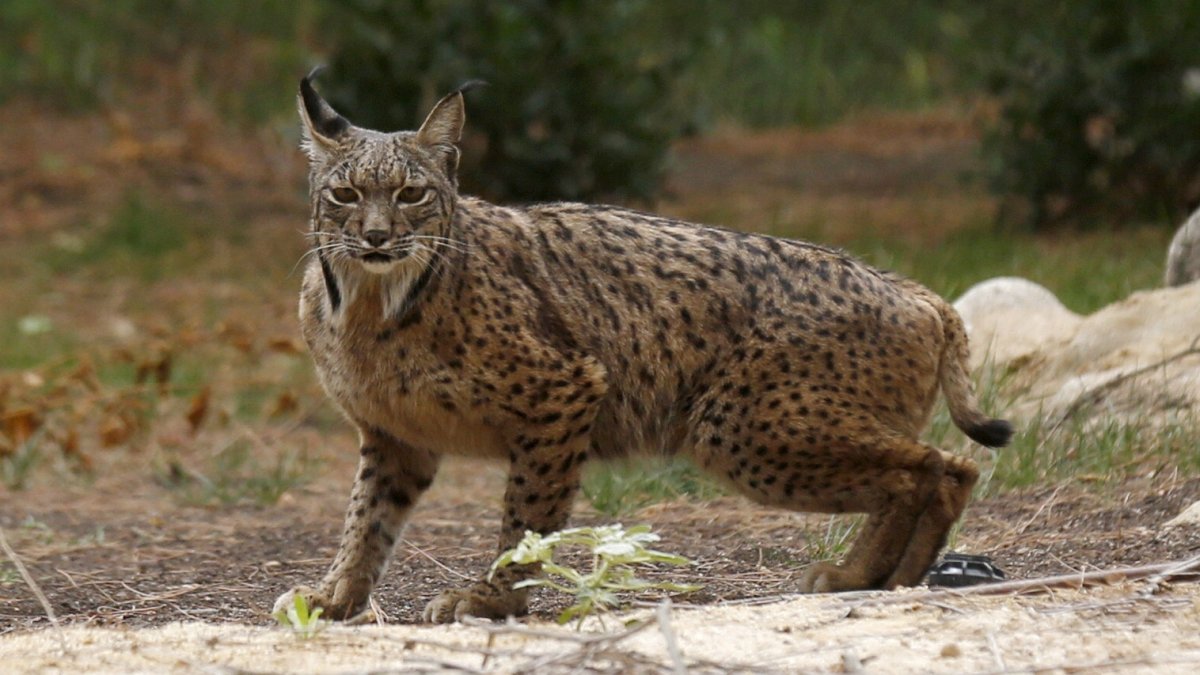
x=961 y=569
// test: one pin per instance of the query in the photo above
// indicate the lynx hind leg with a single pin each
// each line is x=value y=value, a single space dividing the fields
x=778 y=459
x=894 y=487
x=391 y=476
x=933 y=527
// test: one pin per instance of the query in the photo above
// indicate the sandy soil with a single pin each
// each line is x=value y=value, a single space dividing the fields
x=1116 y=628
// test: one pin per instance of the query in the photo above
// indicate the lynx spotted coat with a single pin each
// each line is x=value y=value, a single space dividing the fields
x=551 y=335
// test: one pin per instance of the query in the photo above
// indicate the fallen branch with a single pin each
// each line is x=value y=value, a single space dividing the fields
x=1185 y=567
x=591 y=647
x=511 y=627
x=1157 y=574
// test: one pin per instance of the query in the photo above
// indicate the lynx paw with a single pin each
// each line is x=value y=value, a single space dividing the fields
x=312 y=597
x=481 y=600
x=827 y=577
x=331 y=610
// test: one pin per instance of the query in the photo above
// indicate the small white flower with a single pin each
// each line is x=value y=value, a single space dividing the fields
x=34 y=324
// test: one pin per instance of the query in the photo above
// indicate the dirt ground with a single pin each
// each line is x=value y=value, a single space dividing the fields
x=116 y=556
x=139 y=579
x=142 y=584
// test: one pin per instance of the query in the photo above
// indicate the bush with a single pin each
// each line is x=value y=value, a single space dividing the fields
x=574 y=110
x=1099 y=112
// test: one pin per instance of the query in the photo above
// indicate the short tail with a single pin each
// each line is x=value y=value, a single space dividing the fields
x=958 y=389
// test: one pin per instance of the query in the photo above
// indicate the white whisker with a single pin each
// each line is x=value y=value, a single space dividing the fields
x=452 y=244
x=310 y=252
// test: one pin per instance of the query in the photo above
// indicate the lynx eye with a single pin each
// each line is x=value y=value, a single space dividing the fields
x=410 y=194
x=344 y=195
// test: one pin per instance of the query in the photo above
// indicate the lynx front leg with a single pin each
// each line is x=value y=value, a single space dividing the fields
x=542 y=483
x=391 y=476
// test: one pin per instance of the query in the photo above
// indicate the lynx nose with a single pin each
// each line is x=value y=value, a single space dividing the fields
x=375 y=238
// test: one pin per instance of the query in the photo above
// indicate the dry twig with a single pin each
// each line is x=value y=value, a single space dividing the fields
x=33 y=586
x=664 y=625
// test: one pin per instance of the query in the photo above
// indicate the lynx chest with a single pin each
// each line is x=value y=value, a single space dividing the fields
x=402 y=379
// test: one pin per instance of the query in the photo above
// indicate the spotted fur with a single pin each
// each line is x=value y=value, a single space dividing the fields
x=551 y=335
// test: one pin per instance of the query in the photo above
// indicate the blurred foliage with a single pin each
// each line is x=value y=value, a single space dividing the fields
x=575 y=110
x=1099 y=111
x=770 y=63
x=76 y=54
x=1098 y=102
x=586 y=96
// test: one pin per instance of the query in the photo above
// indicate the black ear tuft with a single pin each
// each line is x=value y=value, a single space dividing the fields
x=324 y=119
x=470 y=85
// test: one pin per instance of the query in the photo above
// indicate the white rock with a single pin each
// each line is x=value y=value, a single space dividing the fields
x=1189 y=516
x=1115 y=364
x=1183 y=256
x=1010 y=319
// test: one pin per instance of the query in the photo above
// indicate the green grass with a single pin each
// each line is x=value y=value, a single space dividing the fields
x=237 y=475
x=1094 y=450
x=17 y=467
x=622 y=487
x=1085 y=270
x=143 y=238
x=1098 y=449
x=20 y=350
x=833 y=542
x=9 y=574
x=304 y=622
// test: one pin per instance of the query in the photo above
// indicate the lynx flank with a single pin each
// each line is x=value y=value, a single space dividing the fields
x=551 y=335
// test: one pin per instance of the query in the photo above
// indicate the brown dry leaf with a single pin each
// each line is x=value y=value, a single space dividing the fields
x=157 y=366
x=70 y=448
x=162 y=369
x=190 y=336
x=283 y=404
x=20 y=424
x=198 y=408
x=285 y=345
x=115 y=430
x=237 y=335
x=85 y=373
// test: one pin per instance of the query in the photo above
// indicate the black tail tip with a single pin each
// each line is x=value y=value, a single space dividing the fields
x=992 y=433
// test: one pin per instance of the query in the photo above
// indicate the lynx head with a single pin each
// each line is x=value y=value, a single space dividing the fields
x=382 y=203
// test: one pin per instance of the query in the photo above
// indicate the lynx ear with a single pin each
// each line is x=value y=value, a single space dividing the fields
x=442 y=129
x=323 y=127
